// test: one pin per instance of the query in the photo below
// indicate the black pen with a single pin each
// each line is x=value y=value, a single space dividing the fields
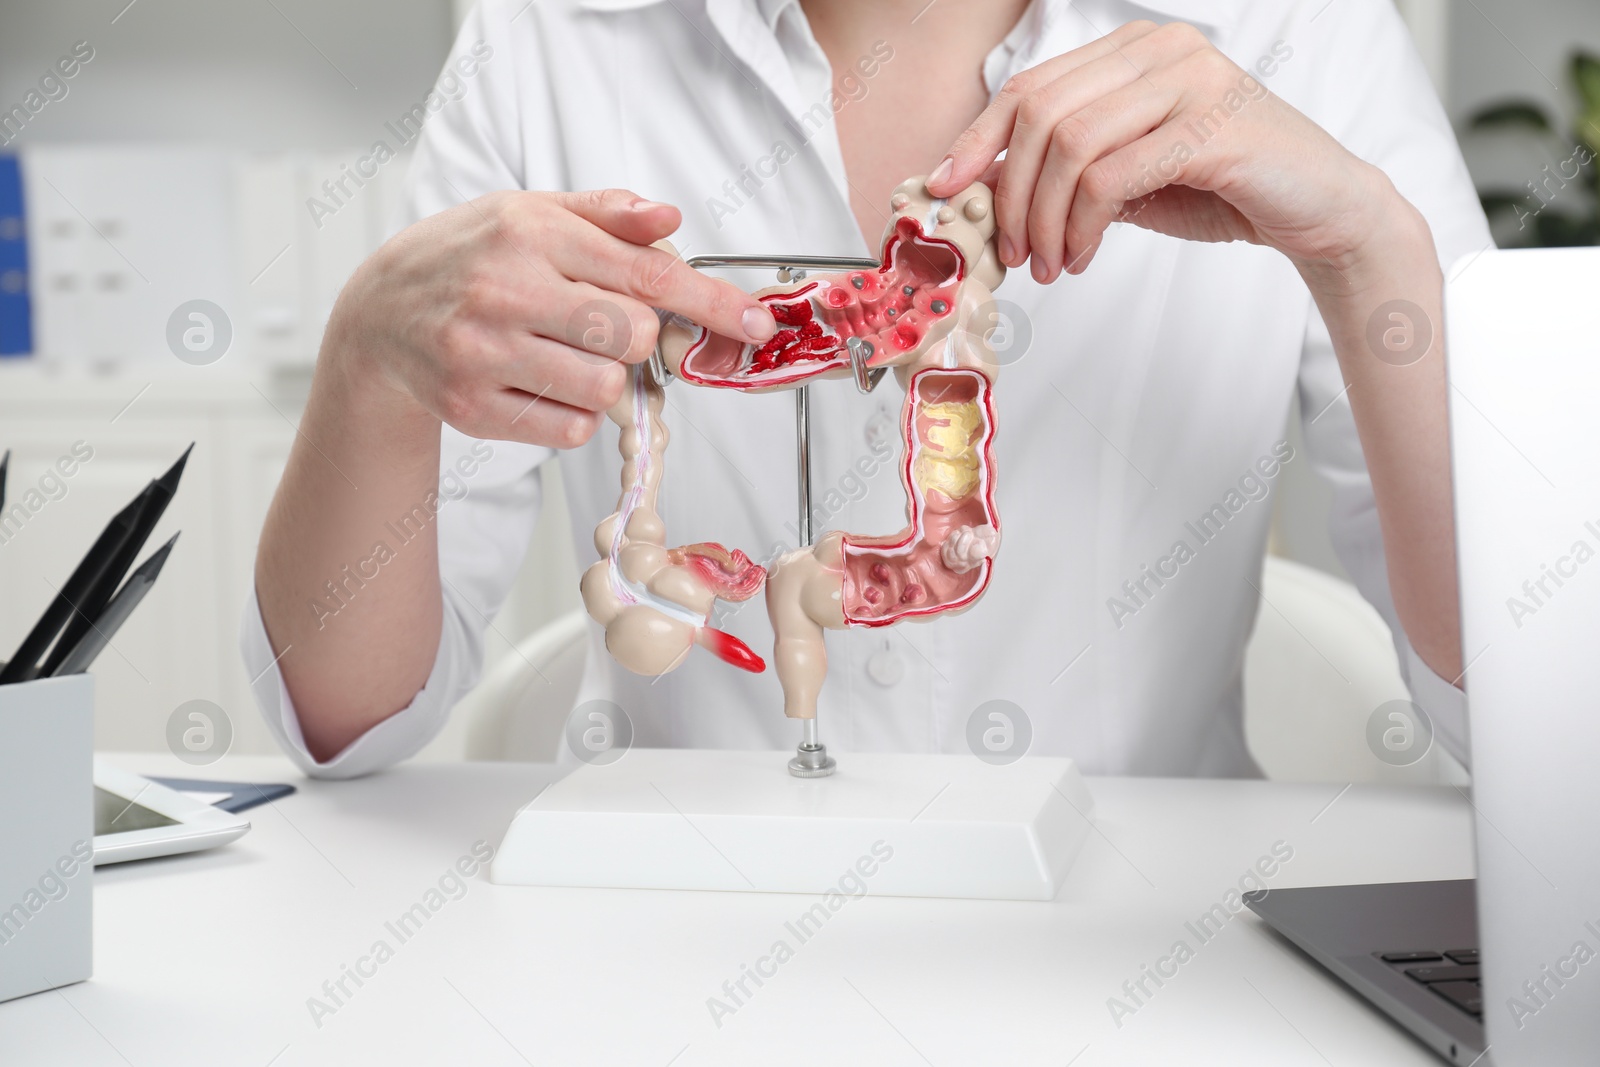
x=5 y=465
x=94 y=600
x=133 y=590
x=20 y=669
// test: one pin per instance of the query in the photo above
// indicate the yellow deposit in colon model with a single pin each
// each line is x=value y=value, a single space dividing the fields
x=948 y=461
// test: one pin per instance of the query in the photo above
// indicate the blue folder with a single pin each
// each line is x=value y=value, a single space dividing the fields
x=16 y=319
x=242 y=796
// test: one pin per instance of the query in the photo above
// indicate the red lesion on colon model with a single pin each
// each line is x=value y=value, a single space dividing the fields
x=819 y=316
x=728 y=573
x=887 y=578
x=730 y=649
x=800 y=337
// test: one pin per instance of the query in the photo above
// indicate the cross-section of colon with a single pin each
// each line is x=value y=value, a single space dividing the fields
x=941 y=561
x=894 y=309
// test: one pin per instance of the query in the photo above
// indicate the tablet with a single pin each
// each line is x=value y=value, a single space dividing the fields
x=135 y=819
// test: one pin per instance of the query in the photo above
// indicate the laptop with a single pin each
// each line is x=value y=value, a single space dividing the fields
x=1506 y=969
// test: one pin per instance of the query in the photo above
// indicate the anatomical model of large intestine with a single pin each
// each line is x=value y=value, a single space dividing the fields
x=925 y=313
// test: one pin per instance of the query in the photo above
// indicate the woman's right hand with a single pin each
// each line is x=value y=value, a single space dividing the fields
x=511 y=317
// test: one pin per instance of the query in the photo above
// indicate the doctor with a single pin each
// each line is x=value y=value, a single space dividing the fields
x=1215 y=209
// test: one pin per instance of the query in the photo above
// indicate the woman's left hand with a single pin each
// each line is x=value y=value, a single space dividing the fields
x=1153 y=126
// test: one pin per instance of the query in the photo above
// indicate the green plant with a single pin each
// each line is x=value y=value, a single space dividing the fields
x=1538 y=223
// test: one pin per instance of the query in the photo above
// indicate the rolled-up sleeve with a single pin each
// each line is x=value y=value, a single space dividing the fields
x=485 y=523
x=1334 y=449
x=1391 y=117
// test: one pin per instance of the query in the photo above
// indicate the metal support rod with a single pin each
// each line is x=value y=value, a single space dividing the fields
x=811 y=759
x=802 y=451
x=785 y=262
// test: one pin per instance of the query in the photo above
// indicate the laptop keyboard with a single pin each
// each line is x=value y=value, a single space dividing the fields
x=1451 y=974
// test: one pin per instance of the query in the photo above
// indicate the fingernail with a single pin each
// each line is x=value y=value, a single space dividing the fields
x=758 y=324
x=646 y=205
x=1040 y=271
x=1007 y=250
x=942 y=172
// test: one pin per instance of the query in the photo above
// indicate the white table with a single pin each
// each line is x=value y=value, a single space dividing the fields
x=210 y=959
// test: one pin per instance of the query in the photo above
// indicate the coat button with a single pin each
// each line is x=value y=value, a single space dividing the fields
x=885 y=667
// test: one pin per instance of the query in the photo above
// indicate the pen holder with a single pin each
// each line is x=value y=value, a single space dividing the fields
x=46 y=833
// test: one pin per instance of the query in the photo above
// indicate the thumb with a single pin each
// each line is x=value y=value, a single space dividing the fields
x=623 y=214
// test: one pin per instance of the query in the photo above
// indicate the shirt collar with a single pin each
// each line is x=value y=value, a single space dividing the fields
x=1198 y=11
x=772 y=10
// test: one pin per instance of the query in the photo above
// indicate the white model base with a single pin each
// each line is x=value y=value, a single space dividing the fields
x=900 y=825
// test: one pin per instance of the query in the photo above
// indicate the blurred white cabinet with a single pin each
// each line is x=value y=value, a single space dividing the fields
x=121 y=236
x=182 y=643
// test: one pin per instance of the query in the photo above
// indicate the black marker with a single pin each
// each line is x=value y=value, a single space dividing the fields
x=133 y=590
x=94 y=600
x=20 y=669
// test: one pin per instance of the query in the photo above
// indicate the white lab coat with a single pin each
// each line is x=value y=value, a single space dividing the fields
x=1154 y=391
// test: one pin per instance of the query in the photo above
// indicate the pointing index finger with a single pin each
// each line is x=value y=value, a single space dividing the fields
x=662 y=280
